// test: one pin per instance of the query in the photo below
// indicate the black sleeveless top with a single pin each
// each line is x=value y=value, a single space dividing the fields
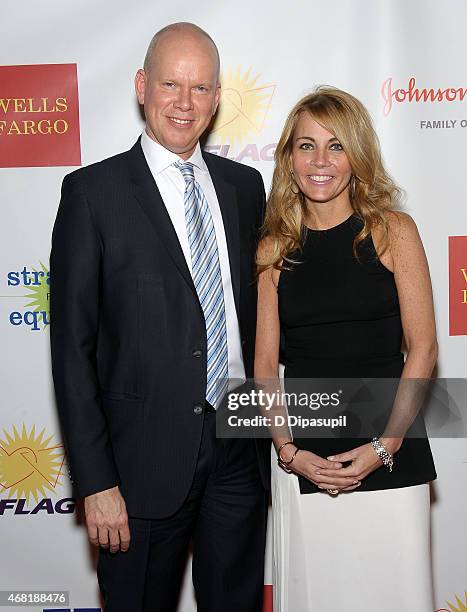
x=340 y=318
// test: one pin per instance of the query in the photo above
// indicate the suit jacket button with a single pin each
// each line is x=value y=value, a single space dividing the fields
x=198 y=409
x=197 y=352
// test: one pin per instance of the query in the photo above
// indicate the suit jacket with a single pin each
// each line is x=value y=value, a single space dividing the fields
x=128 y=335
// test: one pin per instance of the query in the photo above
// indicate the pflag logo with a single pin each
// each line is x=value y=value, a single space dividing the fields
x=31 y=284
x=30 y=464
x=242 y=115
x=31 y=468
x=39 y=116
x=243 y=107
x=459 y=606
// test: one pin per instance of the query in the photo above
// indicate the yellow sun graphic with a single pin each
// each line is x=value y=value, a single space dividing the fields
x=29 y=464
x=40 y=295
x=462 y=604
x=243 y=107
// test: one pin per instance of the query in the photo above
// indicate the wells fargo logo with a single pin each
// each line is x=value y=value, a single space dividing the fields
x=39 y=116
x=413 y=94
x=31 y=467
x=36 y=282
x=241 y=117
x=457 y=285
x=459 y=606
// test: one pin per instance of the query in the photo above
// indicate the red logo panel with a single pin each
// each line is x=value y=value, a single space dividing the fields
x=457 y=285
x=39 y=116
x=267 y=598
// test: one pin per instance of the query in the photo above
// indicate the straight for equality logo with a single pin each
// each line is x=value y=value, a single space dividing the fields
x=39 y=116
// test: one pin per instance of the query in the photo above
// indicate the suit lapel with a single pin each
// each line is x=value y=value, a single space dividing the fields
x=227 y=197
x=150 y=200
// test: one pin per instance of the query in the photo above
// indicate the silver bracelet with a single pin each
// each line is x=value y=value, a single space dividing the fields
x=383 y=453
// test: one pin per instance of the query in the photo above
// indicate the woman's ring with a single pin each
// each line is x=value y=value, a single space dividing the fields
x=333 y=491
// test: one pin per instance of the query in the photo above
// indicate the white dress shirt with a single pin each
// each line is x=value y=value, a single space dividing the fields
x=171 y=185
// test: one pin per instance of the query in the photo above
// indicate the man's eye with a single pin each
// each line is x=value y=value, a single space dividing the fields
x=202 y=88
x=168 y=84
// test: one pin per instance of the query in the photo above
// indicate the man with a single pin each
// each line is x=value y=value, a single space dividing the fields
x=153 y=301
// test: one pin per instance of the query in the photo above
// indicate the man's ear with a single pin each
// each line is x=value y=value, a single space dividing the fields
x=217 y=97
x=140 y=85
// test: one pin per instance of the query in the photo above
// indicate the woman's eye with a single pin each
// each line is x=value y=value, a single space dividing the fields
x=336 y=146
x=306 y=146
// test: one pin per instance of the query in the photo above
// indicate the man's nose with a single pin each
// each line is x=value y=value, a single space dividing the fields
x=184 y=100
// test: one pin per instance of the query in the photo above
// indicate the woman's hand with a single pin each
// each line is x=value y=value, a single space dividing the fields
x=364 y=460
x=309 y=465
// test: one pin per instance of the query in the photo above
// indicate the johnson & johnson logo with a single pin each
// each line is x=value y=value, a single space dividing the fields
x=414 y=94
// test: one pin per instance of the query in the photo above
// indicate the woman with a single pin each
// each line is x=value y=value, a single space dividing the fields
x=345 y=278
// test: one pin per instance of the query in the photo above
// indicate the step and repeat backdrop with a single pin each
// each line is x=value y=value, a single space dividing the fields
x=67 y=99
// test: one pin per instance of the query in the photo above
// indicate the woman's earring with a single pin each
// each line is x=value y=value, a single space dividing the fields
x=292 y=183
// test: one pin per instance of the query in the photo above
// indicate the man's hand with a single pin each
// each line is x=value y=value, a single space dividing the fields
x=107 y=520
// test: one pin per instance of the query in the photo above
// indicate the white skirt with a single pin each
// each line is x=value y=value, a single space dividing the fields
x=357 y=552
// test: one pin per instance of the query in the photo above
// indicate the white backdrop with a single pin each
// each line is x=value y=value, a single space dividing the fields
x=272 y=53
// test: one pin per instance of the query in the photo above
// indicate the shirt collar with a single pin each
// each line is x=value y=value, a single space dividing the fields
x=159 y=158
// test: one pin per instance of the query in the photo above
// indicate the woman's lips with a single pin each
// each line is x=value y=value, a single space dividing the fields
x=319 y=179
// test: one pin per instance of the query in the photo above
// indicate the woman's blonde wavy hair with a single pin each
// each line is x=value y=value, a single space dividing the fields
x=372 y=191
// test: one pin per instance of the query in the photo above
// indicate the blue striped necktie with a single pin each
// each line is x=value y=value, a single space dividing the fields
x=207 y=278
